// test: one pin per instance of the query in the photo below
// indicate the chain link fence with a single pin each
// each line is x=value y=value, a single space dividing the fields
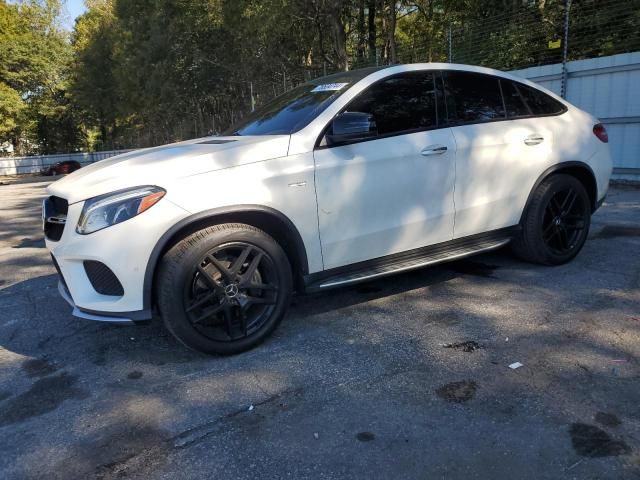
x=529 y=33
x=526 y=33
x=559 y=33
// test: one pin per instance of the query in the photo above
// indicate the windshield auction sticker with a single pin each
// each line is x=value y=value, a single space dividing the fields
x=329 y=87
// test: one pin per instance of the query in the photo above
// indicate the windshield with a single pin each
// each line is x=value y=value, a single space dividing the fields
x=295 y=109
x=288 y=113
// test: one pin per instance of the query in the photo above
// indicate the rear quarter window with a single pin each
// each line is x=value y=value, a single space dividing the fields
x=539 y=102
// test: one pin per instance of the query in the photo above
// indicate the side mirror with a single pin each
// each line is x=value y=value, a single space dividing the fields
x=350 y=127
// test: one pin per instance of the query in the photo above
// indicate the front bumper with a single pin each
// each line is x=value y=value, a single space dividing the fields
x=124 y=248
x=76 y=312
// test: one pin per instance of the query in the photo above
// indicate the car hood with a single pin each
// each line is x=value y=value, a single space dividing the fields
x=162 y=165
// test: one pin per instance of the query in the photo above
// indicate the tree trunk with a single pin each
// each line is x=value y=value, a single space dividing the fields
x=391 y=31
x=339 y=37
x=371 y=5
x=103 y=133
x=384 y=54
x=362 y=32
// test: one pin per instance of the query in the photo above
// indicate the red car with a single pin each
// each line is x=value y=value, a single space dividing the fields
x=61 y=168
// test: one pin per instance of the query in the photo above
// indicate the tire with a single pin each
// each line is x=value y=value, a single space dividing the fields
x=556 y=222
x=224 y=289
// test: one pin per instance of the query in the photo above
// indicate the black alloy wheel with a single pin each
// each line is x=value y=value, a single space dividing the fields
x=565 y=218
x=555 y=225
x=232 y=293
x=224 y=289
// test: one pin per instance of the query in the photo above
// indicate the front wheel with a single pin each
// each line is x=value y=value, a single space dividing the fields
x=556 y=223
x=224 y=289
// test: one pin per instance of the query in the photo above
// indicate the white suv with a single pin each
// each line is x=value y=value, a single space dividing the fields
x=346 y=178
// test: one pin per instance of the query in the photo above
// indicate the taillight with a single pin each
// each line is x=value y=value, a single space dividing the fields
x=601 y=132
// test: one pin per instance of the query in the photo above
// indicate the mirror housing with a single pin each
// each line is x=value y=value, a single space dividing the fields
x=351 y=127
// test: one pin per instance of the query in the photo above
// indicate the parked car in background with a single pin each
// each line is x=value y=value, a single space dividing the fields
x=61 y=168
x=346 y=178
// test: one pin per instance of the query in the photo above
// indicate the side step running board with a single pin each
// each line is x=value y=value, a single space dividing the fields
x=403 y=262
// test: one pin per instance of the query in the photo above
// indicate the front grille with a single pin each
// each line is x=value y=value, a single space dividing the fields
x=104 y=281
x=54 y=213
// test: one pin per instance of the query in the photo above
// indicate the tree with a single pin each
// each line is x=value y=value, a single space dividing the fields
x=142 y=73
x=389 y=27
x=93 y=85
x=34 y=59
x=372 y=32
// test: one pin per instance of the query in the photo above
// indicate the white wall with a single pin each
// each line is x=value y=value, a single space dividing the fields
x=34 y=164
x=609 y=88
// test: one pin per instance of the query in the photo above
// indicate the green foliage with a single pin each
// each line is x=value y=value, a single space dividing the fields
x=146 y=72
x=34 y=62
x=11 y=107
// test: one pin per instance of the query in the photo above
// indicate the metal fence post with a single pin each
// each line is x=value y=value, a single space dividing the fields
x=565 y=49
x=253 y=102
x=450 y=45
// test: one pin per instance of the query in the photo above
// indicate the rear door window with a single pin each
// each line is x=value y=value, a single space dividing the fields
x=513 y=101
x=473 y=97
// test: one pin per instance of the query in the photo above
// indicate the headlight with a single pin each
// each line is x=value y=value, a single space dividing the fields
x=106 y=210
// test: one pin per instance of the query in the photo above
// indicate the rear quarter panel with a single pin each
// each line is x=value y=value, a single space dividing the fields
x=575 y=141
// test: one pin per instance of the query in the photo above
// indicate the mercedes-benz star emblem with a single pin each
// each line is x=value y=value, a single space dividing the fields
x=231 y=290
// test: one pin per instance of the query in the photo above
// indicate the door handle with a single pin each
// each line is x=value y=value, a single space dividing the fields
x=533 y=139
x=433 y=150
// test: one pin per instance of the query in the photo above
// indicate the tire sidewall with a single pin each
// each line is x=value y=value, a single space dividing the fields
x=173 y=280
x=551 y=187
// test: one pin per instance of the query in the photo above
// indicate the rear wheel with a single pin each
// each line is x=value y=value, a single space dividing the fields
x=224 y=289
x=556 y=223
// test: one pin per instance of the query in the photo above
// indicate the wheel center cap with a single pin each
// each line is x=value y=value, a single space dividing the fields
x=557 y=221
x=231 y=290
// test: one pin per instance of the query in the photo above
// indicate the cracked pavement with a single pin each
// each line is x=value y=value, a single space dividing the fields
x=356 y=383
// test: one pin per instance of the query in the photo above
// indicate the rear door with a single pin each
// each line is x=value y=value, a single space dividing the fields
x=393 y=192
x=501 y=149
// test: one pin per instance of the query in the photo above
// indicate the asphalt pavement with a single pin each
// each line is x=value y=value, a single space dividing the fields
x=404 y=377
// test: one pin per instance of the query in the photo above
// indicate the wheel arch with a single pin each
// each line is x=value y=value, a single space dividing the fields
x=270 y=220
x=577 y=169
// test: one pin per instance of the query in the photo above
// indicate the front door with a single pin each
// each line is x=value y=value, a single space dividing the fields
x=393 y=192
